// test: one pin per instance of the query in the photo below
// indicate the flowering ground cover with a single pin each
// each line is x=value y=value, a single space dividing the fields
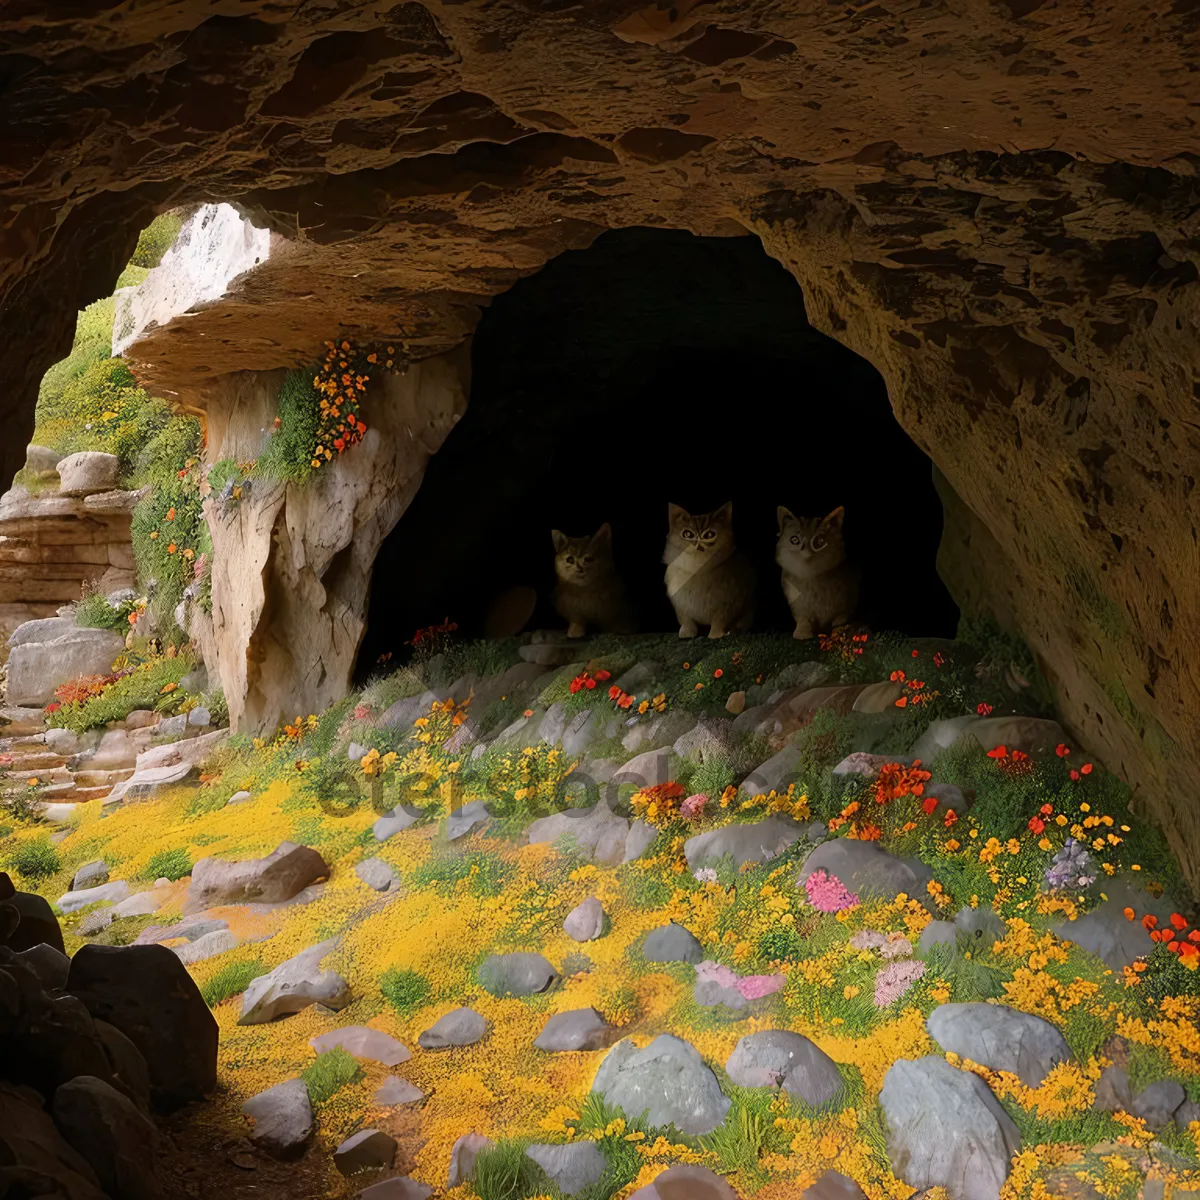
x=1012 y=852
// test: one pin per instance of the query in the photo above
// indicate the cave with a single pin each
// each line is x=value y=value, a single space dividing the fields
x=656 y=365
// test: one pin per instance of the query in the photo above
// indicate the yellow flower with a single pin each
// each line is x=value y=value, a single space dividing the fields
x=849 y=991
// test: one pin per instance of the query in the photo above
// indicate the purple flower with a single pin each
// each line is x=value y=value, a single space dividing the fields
x=827 y=893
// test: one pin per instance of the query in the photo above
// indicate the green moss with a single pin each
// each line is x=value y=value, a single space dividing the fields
x=329 y=1073
x=405 y=990
x=485 y=873
x=36 y=859
x=231 y=980
x=95 y=612
x=169 y=864
x=156 y=239
x=288 y=456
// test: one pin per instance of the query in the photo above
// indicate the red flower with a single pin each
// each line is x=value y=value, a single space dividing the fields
x=1149 y=921
x=614 y=692
x=916 y=653
x=625 y=701
x=951 y=817
x=718 y=673
x=361 y=427
x=1129 y=914
x=1046 y=809
x=602 y=676
x=998 y=753
x=897 y=676
x=576 y=684
x=1074 y=774
x=938 y=659
x=1037 y=824
x=928 y=805
x=1194 y=936
x=1086 y=769
x=1062 y=750
x=1019 y=756
x=589 y=683
x=1179 y=922
x=339 y=444
x=902 y=702
x=983 y=709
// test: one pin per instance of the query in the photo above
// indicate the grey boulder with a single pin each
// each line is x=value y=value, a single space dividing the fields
x=283 y=874
x=667 y=1080
x=570 y=1167
x=778 y=1056
x=35 y=669
x=1105 y=931
x=108 y=893
x=460 y=1027
x=672 y=943
x=88 y=471
x=466 y=819
x=398 y=820
x=743 y=843
x=394 y=1091
x=376 y=874
x=282 y=1119
x=519 y=974
x=363 y=1042
x=596 y=830
x=1158 y=1103
x=463 y=1154
x=685 y=1181
x=579 y=1029
x=90 y=875
x=586 y=921
x=107 y=1129
x=833 y=1185
x=1000 y=1038
x=946 y=1129
x=293 y=985
x=367 y=1150
x=867 y=870
x=400 y=1187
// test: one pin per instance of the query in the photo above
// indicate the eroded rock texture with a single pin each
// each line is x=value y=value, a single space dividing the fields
x=994 y=202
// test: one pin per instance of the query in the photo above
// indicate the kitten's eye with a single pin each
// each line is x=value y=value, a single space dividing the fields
x=689 y=534
x=796 y=541
x=570 y=560
x=818 y=543
x=709 y=535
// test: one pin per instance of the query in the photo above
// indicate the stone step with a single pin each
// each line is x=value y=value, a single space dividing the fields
x=105 y=779
x=21 y=722
x=53 y=775
x=32 y=762
x=84 y=794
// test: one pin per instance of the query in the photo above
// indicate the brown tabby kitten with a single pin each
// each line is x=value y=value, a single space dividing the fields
x=709 y=580
x=589 y=591
x=820 y=585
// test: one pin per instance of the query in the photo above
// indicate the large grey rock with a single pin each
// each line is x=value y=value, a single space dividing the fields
x=463 y=1155
x=367 y=1150
x=1158 y=1103
x=774 y=775
x=282 y=1119
x=90 y=875
x=1113 y=1092
x=35 y=669
x=586 y=921
x=219 y=941
x=519 y=974
x=87 y=472
x=140 y=904
x=147 y=993
x=571 y=1167
x=597 y=831
x=363 y=1042
x=980 y=926
x=376 y=874
x=1032 y=735
x=146 y=782
x=32 y=1148
x=946 y=1129
x=642 y=836
x=658 y=731
x=868 y=765
x=1001 y=1038
x=833 y=1185
x=94 y=923
x=293 y=985
x=51 y=966
x=399 y=1187
x=580 y=732
x=579 y=1029
x=672 y=943
x=467 y=819
x=743 y=842
x=647 y=770
x=667 y=1080
x=867 y=870
x=107 y=1129
x=284 y=873
x=43 y=460
x=685 y=1181
x=399 y=819
x=43 y=629
x=937 y=933
x=104 y=893
x=130 y=1072
x=1107 y=933
x=709 y=741
x=460 y=1027
x=777 y=1056
x=394 y=1091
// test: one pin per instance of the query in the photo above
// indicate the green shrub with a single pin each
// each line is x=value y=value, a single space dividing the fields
x=36 y=859
x=141 y=688
x=288 y=456
x=157 y=238
x=328 y=1073
x=231 y=980
x=506 y=1172
x=169 y=864
x=95 y=612
x=405 y=990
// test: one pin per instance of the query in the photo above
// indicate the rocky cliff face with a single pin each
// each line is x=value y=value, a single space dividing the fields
x=972 y=198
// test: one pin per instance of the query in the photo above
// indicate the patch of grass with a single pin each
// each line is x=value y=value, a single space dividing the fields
x=405 y=990
x=36 y=859
x=504 y=1172
x=169 y=864
x=328 y=1073
x=141 y=688
x=95 y=612
x=231 y=980
x=483 y=875
x=288 y=456
x=157 y=238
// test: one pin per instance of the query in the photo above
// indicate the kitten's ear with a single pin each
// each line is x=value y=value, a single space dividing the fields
x=834 y=520
x=675 y=514
x=603 y=535
x=783 y=515
x=724 y=513
x=560 y=540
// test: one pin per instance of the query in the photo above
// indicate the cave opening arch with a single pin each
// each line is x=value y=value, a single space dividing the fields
x=658 y=366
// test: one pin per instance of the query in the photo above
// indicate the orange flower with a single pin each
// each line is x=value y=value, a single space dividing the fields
x=171 y=513
x=718 y=673
x=1178 y=921
x=1129 y=914
x=1086 y=769
x=171 y=548
x=902 y=702
x=1149 y=921
x=998 y=753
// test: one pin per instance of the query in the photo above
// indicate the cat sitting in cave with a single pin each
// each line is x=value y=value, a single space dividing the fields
x=709 y=580
x=589 y=590
x=821 y=586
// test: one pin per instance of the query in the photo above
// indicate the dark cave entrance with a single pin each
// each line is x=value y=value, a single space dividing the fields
x=658 y=366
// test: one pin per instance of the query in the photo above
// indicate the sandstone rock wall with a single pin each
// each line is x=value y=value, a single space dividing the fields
x=292 y=563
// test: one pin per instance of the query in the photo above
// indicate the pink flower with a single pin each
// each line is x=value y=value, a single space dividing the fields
x=692 y=809
x=754 y=987
x=896 y=946
x=867 y=939
x=827 y=894
x=895 y=979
